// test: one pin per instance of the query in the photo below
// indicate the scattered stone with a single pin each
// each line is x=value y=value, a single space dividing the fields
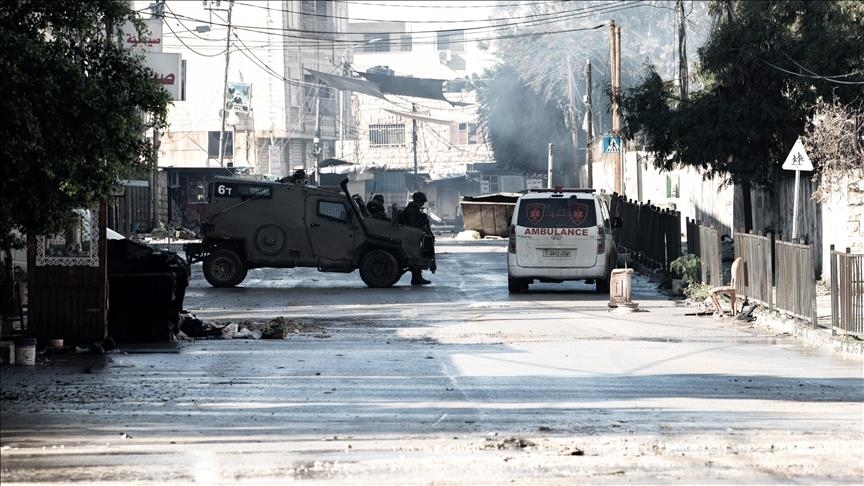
x=510 y=443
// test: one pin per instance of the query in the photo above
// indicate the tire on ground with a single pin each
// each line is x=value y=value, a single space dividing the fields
x=379 y=268
x=516 y=285
x=224 y=268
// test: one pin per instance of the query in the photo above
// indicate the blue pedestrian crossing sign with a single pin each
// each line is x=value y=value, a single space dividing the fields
x=611 y=145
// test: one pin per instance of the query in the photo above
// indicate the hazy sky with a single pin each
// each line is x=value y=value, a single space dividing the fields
x=422 y=11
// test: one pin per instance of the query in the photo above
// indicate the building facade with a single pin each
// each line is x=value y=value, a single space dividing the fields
x=281 y=117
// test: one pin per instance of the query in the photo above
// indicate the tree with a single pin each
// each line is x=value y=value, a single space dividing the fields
x=74 y=106
x=533 y=46
x=763 y=69
x=835 y=139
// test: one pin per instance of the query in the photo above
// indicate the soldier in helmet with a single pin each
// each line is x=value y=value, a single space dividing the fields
x=413 y=215
x=376 y=207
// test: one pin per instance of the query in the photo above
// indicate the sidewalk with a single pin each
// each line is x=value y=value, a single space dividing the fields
x=819 y=336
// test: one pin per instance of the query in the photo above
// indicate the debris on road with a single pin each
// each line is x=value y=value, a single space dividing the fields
x=277 y=328
x=510 y=443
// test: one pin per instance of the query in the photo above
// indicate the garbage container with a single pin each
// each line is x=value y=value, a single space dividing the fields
x=620 y=285
x=145 y=292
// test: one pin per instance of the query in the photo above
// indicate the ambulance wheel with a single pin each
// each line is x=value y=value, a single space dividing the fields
x=379 y=269
x=516 y=285
x=224 y=268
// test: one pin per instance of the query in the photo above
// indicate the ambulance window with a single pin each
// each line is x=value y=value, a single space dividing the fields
x=557 y=213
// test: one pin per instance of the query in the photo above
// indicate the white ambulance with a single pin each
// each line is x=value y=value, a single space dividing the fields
x=561 y=234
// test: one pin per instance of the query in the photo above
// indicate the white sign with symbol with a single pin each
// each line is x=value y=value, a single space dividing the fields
x=798 y=158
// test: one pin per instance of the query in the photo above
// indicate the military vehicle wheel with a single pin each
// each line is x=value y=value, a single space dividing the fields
x=224 y=268
x=516 y=285
x=379 y=268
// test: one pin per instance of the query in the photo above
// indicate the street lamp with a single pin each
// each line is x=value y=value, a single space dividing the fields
x=344 y=72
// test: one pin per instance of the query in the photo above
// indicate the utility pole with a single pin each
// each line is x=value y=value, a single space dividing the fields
x=344 y=71
x=316 y=142
x=571 y=120
x=615 y=59
x=589 y=144
x=157 y=13
x=682 y=51
x=225 y=87
x=549 y=164
x=414 y=145
x=154 y=187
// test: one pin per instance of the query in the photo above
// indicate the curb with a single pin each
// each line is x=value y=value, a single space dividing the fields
x=846 y=346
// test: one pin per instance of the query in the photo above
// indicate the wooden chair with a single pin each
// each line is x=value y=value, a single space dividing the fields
x=728 y=290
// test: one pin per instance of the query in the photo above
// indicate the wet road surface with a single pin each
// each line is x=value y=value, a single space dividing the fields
x=454 y=383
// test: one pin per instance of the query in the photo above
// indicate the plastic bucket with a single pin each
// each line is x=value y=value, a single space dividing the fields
x=25 y=351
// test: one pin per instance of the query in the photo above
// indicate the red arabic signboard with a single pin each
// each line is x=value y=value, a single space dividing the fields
x=146 y=41
x=167 y=67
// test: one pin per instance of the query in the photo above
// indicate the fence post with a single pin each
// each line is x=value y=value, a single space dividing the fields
x=845 y=297
x=813 y=284
x=769 y=272
x=834 y=301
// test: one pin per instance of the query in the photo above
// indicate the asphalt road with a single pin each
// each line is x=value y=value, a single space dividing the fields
x=454 y=383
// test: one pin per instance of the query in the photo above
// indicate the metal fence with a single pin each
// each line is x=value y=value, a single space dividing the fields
x=130 y=212
x=709 y=255
x=756 y=281
x=692 y=227
x=847 y=292
x=796 y=280
x=651 y=232
x=792 y=266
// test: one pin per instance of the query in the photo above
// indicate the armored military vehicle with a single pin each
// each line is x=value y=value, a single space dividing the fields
x=254 y=224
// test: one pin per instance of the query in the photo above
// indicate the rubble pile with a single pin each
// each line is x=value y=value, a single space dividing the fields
x=277 y=328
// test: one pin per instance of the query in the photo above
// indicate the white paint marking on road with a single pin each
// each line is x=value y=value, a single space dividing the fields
x=439 y=420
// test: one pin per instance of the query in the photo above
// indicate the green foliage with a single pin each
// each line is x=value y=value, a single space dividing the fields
x=764 y=68
x=525 y=103
x=687 y=267
x=698 y=291
x=72 y=106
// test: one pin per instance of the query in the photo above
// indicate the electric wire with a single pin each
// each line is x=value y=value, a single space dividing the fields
x=191 y=49
x=452 y=5
x=352 y=18
x=285 y=32
x=823 y=78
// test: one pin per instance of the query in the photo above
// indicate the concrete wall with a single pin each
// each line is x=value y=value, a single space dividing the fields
x=842 y=220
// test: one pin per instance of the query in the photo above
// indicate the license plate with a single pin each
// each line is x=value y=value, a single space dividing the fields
x=556 y=253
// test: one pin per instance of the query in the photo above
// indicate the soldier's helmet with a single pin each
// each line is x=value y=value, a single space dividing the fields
x=419 y=197
x=378 y=198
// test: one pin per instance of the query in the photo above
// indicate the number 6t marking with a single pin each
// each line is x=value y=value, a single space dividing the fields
x=223 y=190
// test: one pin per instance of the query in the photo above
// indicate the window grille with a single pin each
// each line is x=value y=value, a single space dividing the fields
x=333 y=210
x=387 y=135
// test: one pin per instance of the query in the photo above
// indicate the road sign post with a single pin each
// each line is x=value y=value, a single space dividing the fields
x=797 y=160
